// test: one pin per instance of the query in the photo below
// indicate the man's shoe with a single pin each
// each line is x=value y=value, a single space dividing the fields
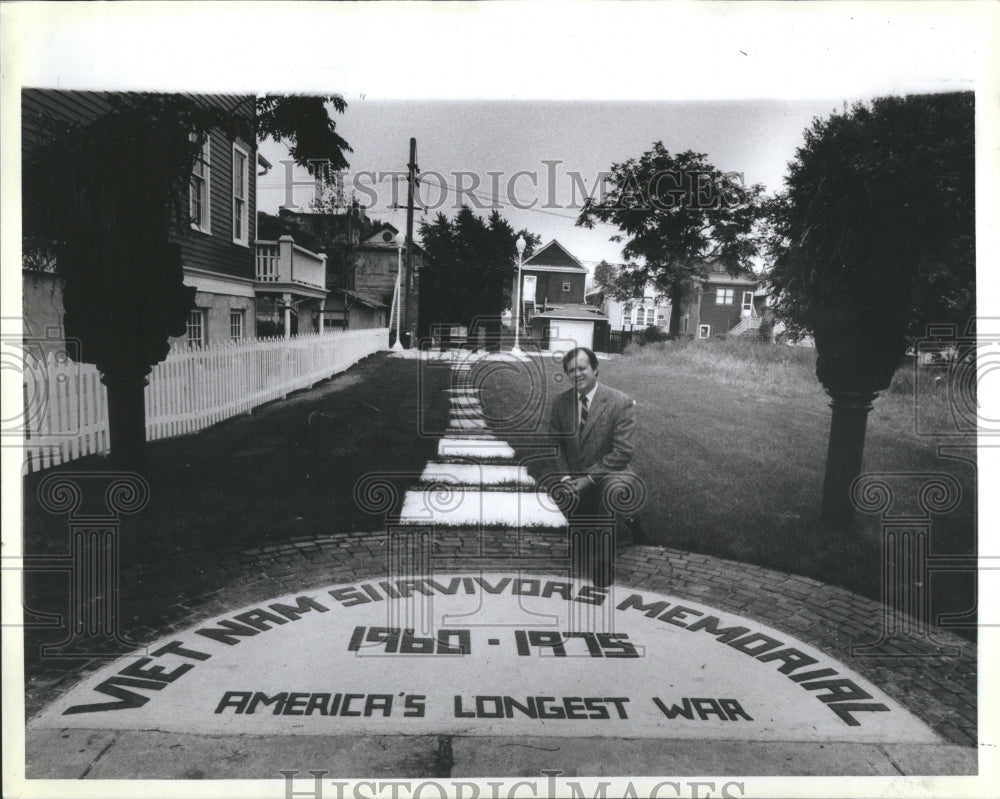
x=639 y=537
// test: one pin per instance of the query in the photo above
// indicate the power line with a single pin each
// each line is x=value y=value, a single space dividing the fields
x=424 y=209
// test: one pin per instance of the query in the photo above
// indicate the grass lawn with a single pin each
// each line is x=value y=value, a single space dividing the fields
x=731 y=444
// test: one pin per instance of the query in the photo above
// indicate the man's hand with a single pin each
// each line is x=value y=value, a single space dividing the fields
x=578 y=484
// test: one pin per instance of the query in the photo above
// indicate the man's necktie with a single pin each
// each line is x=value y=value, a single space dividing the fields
x=583 y=412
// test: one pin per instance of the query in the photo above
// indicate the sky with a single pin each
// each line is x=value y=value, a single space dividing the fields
x=533 y=160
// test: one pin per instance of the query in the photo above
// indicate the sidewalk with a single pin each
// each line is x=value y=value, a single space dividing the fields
x=936 y=682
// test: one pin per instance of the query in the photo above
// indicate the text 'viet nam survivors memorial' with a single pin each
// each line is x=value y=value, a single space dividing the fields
x=490 y=653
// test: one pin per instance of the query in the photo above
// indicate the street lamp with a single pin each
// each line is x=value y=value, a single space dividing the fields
x=400 y=244
x=521 y=244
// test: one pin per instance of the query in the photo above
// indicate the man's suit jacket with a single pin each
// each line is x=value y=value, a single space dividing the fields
x=606 y=442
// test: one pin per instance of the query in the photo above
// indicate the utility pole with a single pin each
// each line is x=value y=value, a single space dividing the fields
x=411 y=183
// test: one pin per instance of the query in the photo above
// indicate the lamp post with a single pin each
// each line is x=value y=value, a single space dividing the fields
x=400 y=244
x=521 y=244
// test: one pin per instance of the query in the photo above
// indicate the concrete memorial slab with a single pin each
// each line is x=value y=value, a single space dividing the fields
x=488 y=654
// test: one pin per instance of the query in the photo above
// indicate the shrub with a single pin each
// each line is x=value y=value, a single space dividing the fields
x=653 y=334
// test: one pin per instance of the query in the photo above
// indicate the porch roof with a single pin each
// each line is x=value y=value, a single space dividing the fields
x=585 y=313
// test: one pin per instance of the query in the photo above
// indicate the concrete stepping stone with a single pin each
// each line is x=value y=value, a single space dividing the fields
x=480 y=448
x=464 y=508
x=467 y=413
x=476 y=475
x=467 y=424
x=467 y=410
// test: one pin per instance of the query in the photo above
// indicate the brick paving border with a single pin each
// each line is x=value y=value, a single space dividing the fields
x=940 y=690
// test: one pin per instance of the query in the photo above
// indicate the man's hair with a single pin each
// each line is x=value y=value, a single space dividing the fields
x=570 y=356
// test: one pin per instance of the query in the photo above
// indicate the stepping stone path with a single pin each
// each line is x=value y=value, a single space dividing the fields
x=476 y=481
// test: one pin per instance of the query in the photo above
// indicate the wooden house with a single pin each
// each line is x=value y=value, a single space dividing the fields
x=217 y=247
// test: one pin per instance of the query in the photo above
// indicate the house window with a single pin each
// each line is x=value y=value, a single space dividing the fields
x=565 y=286
x=241 y=233
x=236 y=324
x=201 y=207
x=196 y=328
x=704 y=331
x=684 y=324
x=724 y=297
x=651 y=316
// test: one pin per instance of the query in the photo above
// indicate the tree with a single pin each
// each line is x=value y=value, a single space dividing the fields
x=106 y=200
x=679 y=214
x=304 y=124
x=617 y=282
x=880 y=206
x=470 y=268
x=874 y=239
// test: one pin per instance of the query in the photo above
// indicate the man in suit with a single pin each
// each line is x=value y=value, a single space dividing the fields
x=594 y=428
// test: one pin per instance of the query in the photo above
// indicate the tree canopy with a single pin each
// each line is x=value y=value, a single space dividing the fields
x=677 y=214
x=304 y=125
x=879 y=208
x=617 y=281
x=471 y=266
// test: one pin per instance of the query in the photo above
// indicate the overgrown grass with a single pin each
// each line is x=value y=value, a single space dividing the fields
x=731 y=444
x=791 y=372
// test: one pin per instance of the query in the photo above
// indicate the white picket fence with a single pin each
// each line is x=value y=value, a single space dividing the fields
x=66 y=408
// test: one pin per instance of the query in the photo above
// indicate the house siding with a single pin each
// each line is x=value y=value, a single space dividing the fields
x=549 y=285
x=722 y=318
x=620 y=320
x=375 y=277
x=216 y=250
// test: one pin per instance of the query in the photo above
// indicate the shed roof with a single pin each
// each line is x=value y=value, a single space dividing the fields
x=573 y=311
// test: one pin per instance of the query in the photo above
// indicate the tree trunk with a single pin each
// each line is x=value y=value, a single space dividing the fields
x=127 y=420
x=858 y=348
x=844 y=454
x=676 y=309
